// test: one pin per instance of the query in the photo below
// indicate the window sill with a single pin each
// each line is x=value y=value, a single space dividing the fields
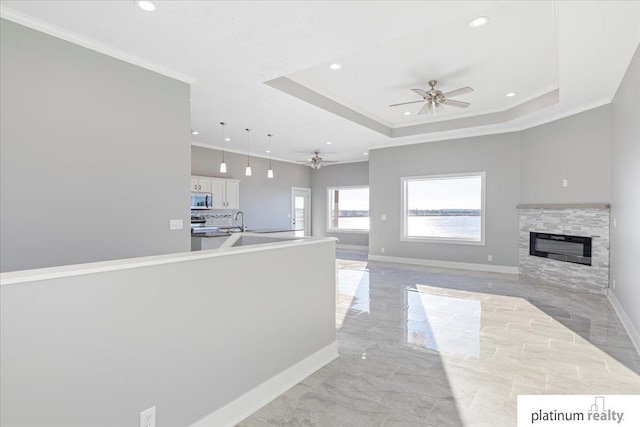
x=347 y=231
x=442 y=240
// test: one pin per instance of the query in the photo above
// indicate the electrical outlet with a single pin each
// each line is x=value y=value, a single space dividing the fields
x=383 y=217
x=490 y=257
x=565 y=182
x=175 y=224
x=615 y=223
x=382 y=250
x=148 y=417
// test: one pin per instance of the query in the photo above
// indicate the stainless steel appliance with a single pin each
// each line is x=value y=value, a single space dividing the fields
x=201 y=201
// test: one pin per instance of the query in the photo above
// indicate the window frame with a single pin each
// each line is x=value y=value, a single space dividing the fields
x=448 y=240
x=331 y=229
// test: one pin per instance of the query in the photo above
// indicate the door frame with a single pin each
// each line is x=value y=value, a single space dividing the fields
x=307 y=222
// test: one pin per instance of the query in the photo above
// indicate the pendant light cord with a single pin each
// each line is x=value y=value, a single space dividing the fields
x=223 y=140
x=248 y=163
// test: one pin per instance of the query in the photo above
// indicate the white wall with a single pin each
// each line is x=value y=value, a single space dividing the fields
x=625 y=197
x=188 y=336
x=336 y=176
x=266 y=202
x=94 y=155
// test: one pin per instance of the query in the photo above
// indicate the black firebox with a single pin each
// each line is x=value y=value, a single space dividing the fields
x=576 y=249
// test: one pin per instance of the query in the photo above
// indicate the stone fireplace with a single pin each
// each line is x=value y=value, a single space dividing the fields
x=567 y=244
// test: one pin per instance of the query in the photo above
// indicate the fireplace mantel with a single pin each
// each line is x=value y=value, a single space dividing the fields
x=565 y=206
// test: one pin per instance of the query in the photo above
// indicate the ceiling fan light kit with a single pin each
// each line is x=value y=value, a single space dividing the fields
x=434 y=99
x=316 y=162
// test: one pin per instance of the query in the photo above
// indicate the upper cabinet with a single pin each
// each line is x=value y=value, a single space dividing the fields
x=200 y=184
x=225 y=192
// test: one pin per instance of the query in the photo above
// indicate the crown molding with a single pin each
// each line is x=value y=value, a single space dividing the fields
x=83 y=41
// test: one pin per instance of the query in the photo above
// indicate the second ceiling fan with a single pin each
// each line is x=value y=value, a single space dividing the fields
x=434 y=99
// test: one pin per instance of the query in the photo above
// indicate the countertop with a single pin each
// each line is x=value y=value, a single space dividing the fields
x=225 y=234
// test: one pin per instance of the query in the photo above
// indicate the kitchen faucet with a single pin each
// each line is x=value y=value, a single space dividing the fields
x=242 y=227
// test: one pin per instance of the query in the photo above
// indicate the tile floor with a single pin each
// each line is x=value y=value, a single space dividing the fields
x=439 y=347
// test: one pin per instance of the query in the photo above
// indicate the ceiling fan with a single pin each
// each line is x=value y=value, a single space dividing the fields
x=316 y=162
x=434 y=99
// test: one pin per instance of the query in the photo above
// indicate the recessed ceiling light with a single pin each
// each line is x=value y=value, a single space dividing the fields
x=227 y=139
x=268 y=151
x=478 y=22
x=407 y=113
x=335 y=66
x=510 y=94
x=146 y=5
x=329 y=142
x=195 y=132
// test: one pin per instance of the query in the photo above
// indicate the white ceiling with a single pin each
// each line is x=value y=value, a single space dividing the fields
x=228 y=50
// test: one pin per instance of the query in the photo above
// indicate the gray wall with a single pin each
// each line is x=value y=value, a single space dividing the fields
x=90 y=146
x=266 y=202
x=336 y=176
x=576 y=148
x=625 y=199
x=175 y=336
x=497 y=155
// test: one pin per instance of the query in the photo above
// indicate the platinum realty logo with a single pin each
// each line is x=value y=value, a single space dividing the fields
x=579 y=410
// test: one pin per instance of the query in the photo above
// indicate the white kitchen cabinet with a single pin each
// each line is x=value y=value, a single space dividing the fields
x=233 y=194
x=200 y=184
x=226 y=193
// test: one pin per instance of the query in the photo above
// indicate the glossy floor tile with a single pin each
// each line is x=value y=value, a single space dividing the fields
x=439 y=347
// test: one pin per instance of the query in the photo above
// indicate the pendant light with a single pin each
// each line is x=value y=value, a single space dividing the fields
x=270 y=171
x=247 y=170
x=223 y=164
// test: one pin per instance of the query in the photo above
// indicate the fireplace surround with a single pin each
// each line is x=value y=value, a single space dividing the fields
x=567 y=262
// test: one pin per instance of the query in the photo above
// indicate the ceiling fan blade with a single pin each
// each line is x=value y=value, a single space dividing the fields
x=457 y=92
x=421 y=93
x=405 y=103
x=453 y=103
x=426 y=108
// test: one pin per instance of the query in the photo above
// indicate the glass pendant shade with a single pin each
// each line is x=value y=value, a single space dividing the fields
x=247 y=171
x=223 y=167
x=270 y=173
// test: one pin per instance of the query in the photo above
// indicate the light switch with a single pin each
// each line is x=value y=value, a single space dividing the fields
x=565 y=182
x=175 y=224
x=383 y=217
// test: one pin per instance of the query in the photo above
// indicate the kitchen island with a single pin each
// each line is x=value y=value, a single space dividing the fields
x=215 y=239
x=219 y=333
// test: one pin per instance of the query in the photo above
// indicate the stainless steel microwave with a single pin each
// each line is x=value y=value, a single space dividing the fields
x=201 y=201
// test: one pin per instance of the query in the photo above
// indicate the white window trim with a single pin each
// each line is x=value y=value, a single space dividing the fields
x=403 y=210
x=330 y=204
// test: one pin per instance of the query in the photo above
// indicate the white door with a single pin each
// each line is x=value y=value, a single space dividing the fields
x=301 y=211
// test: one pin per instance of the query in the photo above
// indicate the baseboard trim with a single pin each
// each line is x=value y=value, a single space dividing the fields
x=352 y=247
x=446 y=264
x=625 y=320
x=255 y=399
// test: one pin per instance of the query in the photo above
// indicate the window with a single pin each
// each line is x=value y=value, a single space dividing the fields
x=444 y=208
x=348 y=209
